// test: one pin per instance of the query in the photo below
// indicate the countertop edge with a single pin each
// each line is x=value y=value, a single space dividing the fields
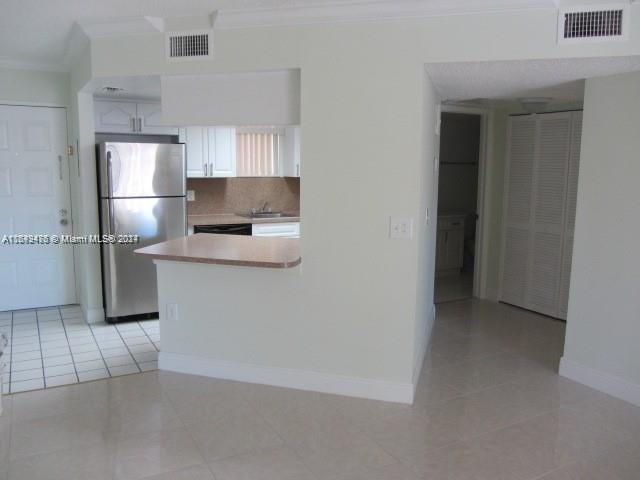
x=211 y=261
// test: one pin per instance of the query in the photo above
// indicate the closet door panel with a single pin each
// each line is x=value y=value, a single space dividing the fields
x=549 y=192
x=517 y=206
x=570 y=215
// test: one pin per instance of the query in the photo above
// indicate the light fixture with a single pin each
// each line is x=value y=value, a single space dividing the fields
x=534 y=104
x=110 y=89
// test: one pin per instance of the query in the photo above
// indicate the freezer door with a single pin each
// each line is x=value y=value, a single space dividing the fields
x=129 y=280
x=141 y=170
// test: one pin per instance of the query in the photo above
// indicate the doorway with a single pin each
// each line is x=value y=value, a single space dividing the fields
x=35 y=200
x=459 y=169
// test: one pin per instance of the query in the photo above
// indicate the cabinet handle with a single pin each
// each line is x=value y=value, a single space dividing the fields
x=60 y=165
x=139 y=124
x=205 y=169
x=133 y=124
x=211 y=169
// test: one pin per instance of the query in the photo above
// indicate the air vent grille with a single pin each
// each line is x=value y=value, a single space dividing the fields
x=188 y=46
x=592 y=24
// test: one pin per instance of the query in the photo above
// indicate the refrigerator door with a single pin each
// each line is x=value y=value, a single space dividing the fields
x=142 y=170
x=129 y=280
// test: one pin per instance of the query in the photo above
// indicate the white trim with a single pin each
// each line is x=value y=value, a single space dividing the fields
x=288 y=378
x=483 y=225
x=359 y=10
x=17 y=103
x=605 y=382
x=424 y=346
x=27 y=65
x=93 y=315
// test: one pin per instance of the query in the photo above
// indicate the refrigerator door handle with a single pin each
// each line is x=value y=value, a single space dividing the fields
x=109 y=175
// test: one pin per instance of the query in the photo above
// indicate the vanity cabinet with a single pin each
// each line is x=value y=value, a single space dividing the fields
x=449 y=244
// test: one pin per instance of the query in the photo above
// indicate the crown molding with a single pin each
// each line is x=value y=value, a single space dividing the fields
x=121 y=26
x=13 y=64
x=363 y=10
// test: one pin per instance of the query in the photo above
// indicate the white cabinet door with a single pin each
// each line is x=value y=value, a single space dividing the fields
x=284 y=229
x=196 y=142
x=150 y=120
x=291 y=152
x=222 y=152
x=34 y=200
x=114 y=117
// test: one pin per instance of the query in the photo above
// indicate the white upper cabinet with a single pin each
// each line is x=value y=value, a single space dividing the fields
x=196 y=141
x=290 y=159
x=114 y=117
x=211 y=151
x=130 y=117
x=222 y=151
x=150 y=120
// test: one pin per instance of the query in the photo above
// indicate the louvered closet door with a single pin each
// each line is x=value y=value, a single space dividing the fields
x=520 y=170
x=570 y=215
x=549 y=194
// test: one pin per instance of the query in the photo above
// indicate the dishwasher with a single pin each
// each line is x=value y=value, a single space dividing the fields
x=225 y=229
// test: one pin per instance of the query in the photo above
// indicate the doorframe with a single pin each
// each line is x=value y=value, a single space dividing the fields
x=28 y=104
x=483 y=227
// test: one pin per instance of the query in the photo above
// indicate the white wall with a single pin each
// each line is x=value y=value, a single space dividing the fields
x=367 y=151
x=34 y=87
x=603 y=324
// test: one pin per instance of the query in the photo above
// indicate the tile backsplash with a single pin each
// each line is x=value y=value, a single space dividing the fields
x=240 y=195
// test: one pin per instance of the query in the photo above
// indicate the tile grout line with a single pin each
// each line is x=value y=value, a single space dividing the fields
x=73 y=360
x=44 y=380
x=127 y=346
x=147 y=335
x=99 y=351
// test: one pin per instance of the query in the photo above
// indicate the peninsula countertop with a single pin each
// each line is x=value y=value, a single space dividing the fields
x=240 y=250
x=233 y=218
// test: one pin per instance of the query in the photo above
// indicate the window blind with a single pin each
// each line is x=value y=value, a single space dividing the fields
x=257 y=154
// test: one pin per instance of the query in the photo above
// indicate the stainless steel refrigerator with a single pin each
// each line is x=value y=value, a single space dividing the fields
x=142 y=189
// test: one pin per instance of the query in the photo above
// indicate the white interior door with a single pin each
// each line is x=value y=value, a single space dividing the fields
x=34 y=200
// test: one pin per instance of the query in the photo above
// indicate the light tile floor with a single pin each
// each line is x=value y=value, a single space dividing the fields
x=489 y=406
x=449 y=288
x=49 y=347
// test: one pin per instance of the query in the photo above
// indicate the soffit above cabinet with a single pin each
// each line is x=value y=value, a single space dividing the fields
x=257 y=98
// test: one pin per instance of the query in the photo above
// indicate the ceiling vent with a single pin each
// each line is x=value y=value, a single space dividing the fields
x=190 y=45
x=593 y=23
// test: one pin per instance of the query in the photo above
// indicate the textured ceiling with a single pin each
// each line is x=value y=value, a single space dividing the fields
x=560 y=79
x=39 y=31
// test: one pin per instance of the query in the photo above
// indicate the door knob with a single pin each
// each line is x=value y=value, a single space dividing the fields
x=64 y=221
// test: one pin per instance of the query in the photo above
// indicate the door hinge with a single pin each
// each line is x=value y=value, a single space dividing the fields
x=70 y=150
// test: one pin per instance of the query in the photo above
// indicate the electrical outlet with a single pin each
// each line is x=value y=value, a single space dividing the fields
x=191 y=195
x=172 y=312
x=401 y=228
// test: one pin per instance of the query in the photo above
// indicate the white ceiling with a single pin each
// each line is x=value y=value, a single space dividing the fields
x=37 y=33
x=560 y=79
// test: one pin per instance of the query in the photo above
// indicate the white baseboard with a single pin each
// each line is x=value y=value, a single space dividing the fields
x=605 y=382
x=93 y=315
x=288 y=378
x=424 y=345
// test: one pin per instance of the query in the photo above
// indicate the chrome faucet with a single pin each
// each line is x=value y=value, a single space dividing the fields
x=264 y=209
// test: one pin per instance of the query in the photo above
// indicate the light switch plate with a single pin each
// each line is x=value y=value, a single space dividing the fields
x=191 y=195
x=401 y=228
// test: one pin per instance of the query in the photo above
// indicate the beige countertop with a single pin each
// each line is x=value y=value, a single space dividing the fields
x=232 y=218
x=241 y=250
